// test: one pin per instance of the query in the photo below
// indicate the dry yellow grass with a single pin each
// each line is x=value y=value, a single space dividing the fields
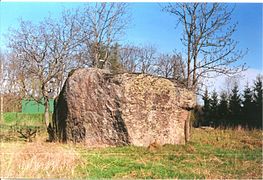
x=38 y=160
x=211 y=154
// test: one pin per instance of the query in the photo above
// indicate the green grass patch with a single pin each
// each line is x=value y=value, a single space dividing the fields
x=210 y=154
x=14 y=121
x=15 y=118
x=141 y=163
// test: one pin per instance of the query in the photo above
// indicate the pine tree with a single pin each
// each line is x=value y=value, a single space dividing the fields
x=235 y=106
x=248 y=107
x=206 y=108
x=223 y=110
x=258 y=101
x=214 y=108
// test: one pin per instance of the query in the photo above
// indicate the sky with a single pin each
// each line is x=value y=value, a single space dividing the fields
x=150 y=25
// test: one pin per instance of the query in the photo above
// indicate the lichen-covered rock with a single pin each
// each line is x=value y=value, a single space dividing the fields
x=101 y=109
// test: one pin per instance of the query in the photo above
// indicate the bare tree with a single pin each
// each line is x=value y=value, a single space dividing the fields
x=15 y=78
x=44 y=54
x=170 y=66
x=47 y=51
x=66 y=38
x=104 y=23
x=2 y=88
x=140 y=59
x=8 y=97
x=30 y=43
x=164 y=65
x=207 y=34
x=230 y=82
x=147 y=57
x=129 y=56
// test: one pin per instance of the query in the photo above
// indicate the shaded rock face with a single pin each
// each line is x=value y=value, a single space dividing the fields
x=100 y=109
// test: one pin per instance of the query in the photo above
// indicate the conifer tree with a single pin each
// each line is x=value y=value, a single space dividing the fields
x=258 y=101
x=214 y=108
x=206 y=108
x=235 y=106
x=248 y=108
x=223 y=110
x=114 y=59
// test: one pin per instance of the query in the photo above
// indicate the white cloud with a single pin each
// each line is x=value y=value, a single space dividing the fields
x=220 y=82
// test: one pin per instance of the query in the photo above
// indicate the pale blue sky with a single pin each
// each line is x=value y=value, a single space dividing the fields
x=149 y=25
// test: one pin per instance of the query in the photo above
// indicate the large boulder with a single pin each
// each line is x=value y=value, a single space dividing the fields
x=101 y=109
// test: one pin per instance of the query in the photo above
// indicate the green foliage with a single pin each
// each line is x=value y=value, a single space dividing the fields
x=206 y=108
x=258 y=93
x=258 y=90
x=214 y=108
x=248 y=107
x=196 y=117
x=235 y=105
x=236 y=109
x=223 y=109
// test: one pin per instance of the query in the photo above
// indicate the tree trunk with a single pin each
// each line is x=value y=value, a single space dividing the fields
x=194 y=72
x=1 y=91
x=2 y=108
x=189 y=63
x=46 y=113
x=187 y=128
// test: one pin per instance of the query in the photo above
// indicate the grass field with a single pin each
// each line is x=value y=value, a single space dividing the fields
x=15 y=118
x=14 y=121
x=209 y=154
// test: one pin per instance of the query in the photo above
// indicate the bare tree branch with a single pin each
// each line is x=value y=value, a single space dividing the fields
x=208 y=36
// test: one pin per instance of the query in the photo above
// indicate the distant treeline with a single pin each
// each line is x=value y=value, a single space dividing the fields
x=231 y=109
